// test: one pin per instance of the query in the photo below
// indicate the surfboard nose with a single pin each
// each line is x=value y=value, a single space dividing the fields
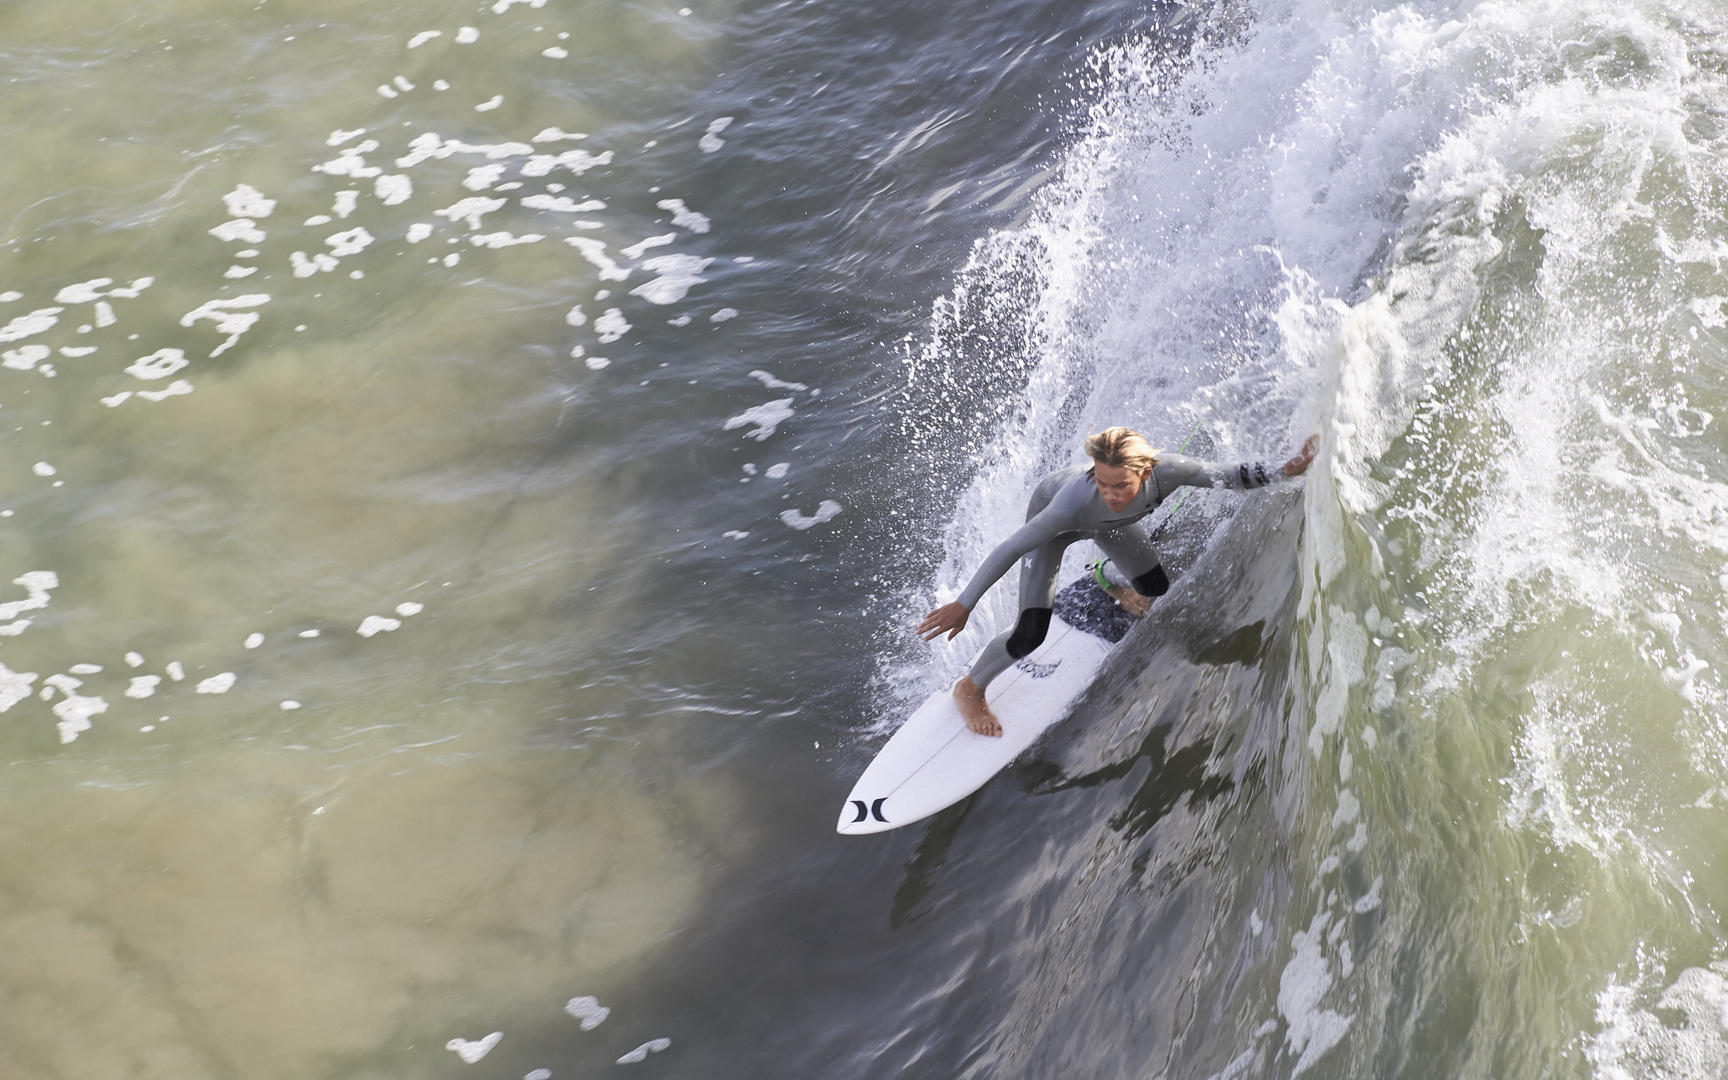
x=863 y=815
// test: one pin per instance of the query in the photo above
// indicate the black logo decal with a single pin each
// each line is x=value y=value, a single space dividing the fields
x=873 y=810
x=1038 y=671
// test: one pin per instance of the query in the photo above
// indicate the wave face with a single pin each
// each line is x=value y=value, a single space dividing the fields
x=1419 y=770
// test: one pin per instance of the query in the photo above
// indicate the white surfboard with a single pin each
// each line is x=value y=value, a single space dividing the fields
x=934 y=761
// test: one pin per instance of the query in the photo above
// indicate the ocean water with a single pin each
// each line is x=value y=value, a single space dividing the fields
x=473 y=471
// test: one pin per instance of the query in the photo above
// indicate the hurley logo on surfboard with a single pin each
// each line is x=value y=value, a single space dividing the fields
x=1038 y=671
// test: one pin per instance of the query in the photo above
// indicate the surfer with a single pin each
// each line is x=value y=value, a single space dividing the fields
x=1102 y=503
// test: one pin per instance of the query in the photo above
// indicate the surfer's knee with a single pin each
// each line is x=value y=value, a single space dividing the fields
x=1153 y=582
x=1029 y=631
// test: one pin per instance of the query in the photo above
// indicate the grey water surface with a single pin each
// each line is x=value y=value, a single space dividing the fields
x=472 y=471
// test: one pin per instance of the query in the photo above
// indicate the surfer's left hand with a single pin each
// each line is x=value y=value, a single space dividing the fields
x=948 y=619
x=1298 y=465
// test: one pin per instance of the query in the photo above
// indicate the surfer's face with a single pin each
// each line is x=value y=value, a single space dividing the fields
x=1116 y=486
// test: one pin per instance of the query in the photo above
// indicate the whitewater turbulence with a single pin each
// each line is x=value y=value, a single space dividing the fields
x=1480 y=248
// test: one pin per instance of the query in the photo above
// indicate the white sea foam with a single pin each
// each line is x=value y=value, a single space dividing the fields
x=683 y=216
x=503 y=239
x=393 y=189
x=652 y=1046
x=374 y=624
x=30 y=325
x=767 y=417
x=231 y=316
x=420 y=39
x=482 y=177
x=176 y=388
x=470 y=210
x=75 y=712
x=85 y=292
x=611 y=325
x=586 y=1009
x=711 y=140
x=473 y=1050
x=240 y=229
x=637 y=250
x=15 y=686
x=561 y=203
x=306 y=266
x=676 y=275
x=827 y=510
x=577 y=161
x=246 y=201
x=1310 y=1029
x=25 y=357
x=350 y=242
x=216 y=684
x=351 y=161
x=1634 y=1040
x=768 y=379
x=595 y=252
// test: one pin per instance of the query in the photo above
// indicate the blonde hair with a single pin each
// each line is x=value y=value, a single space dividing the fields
x=1123 y=448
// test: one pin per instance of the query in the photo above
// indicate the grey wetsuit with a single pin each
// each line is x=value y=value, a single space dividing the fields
x=1065 y=507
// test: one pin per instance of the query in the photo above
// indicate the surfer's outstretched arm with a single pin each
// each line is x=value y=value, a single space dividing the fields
x=1039 y=530
x=1176 y=470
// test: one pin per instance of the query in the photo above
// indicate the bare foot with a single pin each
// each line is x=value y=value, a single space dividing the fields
x=1131 y=601
x=970 y=697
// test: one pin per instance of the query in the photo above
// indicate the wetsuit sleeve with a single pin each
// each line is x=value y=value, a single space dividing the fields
x=1043 y=527
x=1174 y=471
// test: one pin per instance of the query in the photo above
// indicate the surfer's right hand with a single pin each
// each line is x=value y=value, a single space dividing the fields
x=948 y=619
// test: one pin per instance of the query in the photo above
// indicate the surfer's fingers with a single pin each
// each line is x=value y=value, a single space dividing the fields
x=1298 y=465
